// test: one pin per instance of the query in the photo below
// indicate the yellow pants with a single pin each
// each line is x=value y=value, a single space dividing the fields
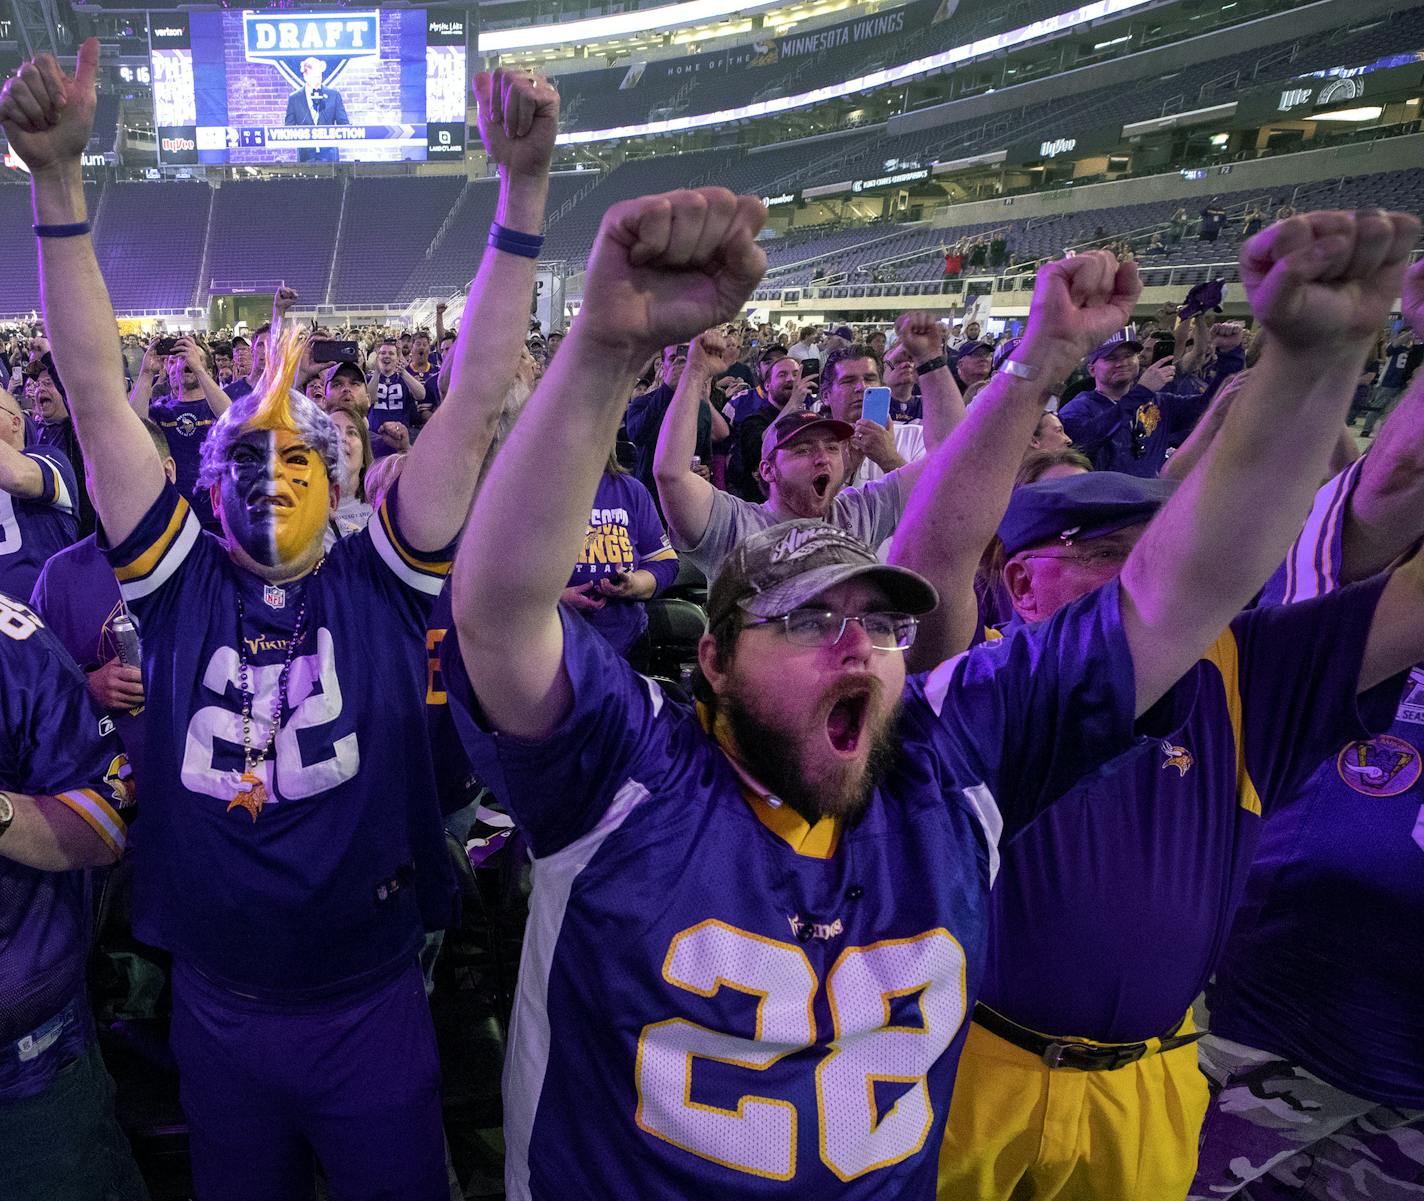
x=1021 y=1131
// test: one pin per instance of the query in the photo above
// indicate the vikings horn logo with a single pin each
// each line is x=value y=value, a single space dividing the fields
x=1149 y=417
x=1382 y=767
x=1176 y=756
x=119 y=780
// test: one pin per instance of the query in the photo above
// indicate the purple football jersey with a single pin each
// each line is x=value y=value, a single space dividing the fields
x=754 y=1006
x=32 y=530
x=1323 y=966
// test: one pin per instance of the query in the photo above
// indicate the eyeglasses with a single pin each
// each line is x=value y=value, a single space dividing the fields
x=1092 y=555
x=822 y=628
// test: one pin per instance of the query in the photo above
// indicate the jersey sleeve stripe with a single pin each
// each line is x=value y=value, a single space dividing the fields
x=1311 y=566
x=152 y=569
x=424 y=577
x=62 y=500
x=660 y=556
x=1225 y=655
x=411 y=556
x=99 y=814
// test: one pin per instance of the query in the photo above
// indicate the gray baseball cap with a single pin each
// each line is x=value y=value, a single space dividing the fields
x=781 y=568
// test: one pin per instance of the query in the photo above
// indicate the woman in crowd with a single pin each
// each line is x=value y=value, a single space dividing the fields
x=353 y=511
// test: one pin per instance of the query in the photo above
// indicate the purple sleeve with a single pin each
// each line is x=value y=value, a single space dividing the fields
x=560 y=788
x=1299 y=676
x=1040 y=708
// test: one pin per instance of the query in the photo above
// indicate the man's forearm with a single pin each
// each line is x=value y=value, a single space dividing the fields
x=47 y=835
x=677 y=439
x=445 y=462
x=413 y=385
x=20 y=475
x=1385 y=516
x=142 y=392
x=941 y=404
x=218 y=400
x=80 y=322
x=1190 y=452
x=961 y=496
x=1232 y=519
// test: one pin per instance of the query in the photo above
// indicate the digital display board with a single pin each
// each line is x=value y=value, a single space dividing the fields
x=350 y=86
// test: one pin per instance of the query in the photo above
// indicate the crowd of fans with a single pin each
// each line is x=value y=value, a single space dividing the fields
x=1027 y=713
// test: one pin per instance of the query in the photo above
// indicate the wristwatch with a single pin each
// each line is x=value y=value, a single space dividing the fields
x=7 y=812
x=933 y=364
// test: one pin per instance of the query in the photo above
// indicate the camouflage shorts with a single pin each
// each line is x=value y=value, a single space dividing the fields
x=1274 y=1131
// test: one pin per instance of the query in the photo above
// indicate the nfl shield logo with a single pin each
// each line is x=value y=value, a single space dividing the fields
x=275 y=597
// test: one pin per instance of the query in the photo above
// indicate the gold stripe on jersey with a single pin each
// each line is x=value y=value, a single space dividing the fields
x=1225 y=656
x=143 y=564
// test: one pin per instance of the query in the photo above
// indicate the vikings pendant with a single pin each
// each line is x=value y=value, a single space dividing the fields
x=253 y=798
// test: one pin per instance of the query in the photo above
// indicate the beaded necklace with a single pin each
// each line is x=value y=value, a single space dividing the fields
x=255 y=796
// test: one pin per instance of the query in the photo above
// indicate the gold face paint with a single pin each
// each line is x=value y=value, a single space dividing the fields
x=302 y=492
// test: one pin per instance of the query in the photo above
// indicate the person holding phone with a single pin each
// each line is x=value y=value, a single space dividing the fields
x=626 y=559
x=396 y=395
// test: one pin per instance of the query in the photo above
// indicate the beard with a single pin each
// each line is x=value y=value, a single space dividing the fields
x=797 y=771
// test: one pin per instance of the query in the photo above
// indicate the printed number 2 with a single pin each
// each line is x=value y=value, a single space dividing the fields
x=759 y=1135
x=296 y=779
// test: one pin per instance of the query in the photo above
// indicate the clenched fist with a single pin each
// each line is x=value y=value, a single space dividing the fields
x=666 y=268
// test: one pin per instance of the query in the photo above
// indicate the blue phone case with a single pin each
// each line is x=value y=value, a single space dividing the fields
x=875 y=405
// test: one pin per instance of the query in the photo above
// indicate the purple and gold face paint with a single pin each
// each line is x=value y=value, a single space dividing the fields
x=275 y=495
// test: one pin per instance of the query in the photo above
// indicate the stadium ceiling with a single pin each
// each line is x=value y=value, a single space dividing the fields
x=996 y=43
x=641 y=21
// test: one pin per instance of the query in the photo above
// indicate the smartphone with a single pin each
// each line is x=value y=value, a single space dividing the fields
x=876 y=406
x=165 y=346
x=325 y=350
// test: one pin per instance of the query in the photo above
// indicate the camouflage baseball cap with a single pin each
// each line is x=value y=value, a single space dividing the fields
x=781 y=568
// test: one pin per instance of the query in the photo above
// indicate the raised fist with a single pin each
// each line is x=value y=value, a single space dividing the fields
x=919 y=333
x=48 y=115
x=1328 y=279
x=1079 y=303
x=518 y=116
x=283 y=299
x=712 y=352
x=666 y=268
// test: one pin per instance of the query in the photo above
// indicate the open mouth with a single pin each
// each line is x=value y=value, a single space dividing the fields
x=822 y=484
x=845 y=724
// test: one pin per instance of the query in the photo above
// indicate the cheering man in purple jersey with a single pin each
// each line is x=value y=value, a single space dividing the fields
x=1166 y=832
x=757 y=928
x=289 y=862
x=1316 y=1057
x=64 y=795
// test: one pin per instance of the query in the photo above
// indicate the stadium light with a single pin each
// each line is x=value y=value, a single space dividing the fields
x=878 y=79
x=1369 y=112
x=595 y=29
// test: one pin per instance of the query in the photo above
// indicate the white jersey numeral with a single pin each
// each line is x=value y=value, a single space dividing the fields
x=310 y=710
x=10 y=538
x=758 y=1136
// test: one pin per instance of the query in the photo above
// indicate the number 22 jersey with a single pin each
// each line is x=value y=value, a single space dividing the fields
x=325 y=890
x=717 y=1000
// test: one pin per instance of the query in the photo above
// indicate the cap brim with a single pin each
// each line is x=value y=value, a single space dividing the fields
x=843 y=431
x=1103 y=352
x=907 y=591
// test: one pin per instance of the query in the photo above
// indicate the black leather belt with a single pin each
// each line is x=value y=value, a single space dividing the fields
x=1067 y=1053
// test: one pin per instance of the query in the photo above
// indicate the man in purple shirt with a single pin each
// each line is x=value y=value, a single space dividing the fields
x=78 y=597
x=64 y=801
x=38 y=498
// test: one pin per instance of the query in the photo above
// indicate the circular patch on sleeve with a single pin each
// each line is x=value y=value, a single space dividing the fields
x=1382 y=767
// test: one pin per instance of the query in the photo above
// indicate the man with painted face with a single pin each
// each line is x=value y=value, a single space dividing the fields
x=803 y=465
x=185 y=415
x=38 y=502
x=853 y=913
x=290 y=863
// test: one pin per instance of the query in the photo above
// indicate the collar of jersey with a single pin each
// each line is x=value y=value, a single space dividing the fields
x=817 y=841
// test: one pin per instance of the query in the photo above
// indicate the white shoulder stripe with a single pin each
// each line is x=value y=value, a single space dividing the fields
x=986 y=809
x=419 y=580
x=1312 y=550
x=938 y=681
x=163 y=570
x=530 y=1038
x=63 y=501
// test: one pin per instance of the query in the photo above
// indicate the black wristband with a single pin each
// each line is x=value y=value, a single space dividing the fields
x=933 y=364
x=74 y=229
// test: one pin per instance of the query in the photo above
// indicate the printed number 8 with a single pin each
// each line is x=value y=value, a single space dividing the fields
x=759 y=1135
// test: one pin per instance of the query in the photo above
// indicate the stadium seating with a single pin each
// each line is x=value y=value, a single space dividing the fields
x=388 y=224
x=151 y=263
x=274 y=232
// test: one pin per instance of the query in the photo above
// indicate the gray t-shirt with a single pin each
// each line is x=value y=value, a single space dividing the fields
x=870 y=512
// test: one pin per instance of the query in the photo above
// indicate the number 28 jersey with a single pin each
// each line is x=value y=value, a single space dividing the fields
x=325 y=890
x=717 y=1000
